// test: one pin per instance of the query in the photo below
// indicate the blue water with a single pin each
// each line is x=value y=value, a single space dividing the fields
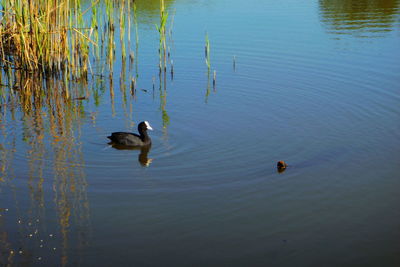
x=314 y=83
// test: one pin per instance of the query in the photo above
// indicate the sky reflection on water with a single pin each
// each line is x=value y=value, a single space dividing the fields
x=305 y=88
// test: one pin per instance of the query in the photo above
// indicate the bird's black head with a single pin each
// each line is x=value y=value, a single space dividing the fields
x=144 y=126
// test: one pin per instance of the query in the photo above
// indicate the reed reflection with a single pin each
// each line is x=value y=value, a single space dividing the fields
x=162 y=77
x=7 y=175
x=51 y=134
x=363 y=18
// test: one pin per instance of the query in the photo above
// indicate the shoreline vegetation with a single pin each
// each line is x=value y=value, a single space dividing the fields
x=48 y=37
x=63 y=38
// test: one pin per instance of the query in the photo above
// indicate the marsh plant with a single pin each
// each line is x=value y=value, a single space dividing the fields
x=45 y=36
x=162 y=50
x=207 y=52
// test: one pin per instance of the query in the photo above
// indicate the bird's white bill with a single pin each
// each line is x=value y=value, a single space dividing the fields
x=148 y=125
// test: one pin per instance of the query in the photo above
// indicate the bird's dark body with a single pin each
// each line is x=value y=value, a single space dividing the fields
x=132 y=139
x=128 y=139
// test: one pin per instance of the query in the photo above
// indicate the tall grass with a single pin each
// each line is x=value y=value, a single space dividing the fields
x=57 y=38
x=48 y=36
x=162 y=37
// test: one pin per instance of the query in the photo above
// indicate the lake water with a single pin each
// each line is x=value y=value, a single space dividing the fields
x=314 y=83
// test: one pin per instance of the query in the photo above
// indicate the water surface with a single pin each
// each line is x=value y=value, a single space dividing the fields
x=314 y=83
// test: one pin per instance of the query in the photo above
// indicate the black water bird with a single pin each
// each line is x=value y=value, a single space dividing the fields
x=281 y=165
x=132 y=139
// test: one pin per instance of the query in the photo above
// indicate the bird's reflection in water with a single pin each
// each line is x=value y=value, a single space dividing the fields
x=143 y=158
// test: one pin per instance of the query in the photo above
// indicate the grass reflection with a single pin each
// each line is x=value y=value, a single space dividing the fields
x=163 y=100
x=51 y=132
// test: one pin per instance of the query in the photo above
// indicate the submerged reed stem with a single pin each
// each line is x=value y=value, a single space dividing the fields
x=214 y=78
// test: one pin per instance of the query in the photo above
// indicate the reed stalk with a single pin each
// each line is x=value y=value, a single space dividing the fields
x=162 y=37
x=48 y=36
x=207 y=52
